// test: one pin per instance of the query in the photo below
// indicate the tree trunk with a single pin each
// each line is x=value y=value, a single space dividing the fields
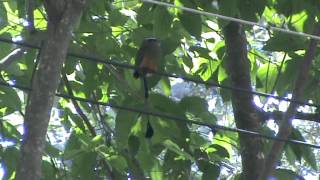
x=62 y=15
x=245 y=114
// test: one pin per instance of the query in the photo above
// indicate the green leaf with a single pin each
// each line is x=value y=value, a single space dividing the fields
x=156 y=171
x=194 y=104
x=198 y=140
x=124 y=122
x=98 y=7
x=9 y=131
x=219 y=150
x=118 y=162
x=286 y=174
x=48 y=170
x=210 y=171
x=134 y=144
x=222 y=145
x=139 y=34
x=70 y=65
x=52 y=151
x=309 y=24
x=190 y=21
x=222 y=72
x=73 y=147
x=144 y=14
x=285 y=42
x=83 y=166
x=226 y=93
x=202 y=52
x=165 y=86
x=172 y=41
x=164 y=104
x=269 y=71
x=175 y=167
x=77 y=120
x=21 y=7
x=306 y=152
x=187 y=60
x=13 y=5
x=165 y=129
x=90 y=26
x=91 y=78
x=133 y=83
x=116 y=18
x=98 y=139
x=162 y=22
x=309 y=156
x=227 y=8
x=288 y=7
x=290 y=155
x=15 y=69
x=296 y=135
x=146 y=159
x=9 y=98
x=3 y=16
x=9 y=160
x=251 y=9
x=207 y=68
x=197 y=108
x=5 y=48
x=220 y=49
x=175 y=148
x=289 y=75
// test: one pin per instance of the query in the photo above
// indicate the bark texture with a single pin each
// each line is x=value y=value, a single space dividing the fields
x=62 y=15
x=245 y=114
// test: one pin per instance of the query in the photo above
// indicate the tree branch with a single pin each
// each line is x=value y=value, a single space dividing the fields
x=297 y=94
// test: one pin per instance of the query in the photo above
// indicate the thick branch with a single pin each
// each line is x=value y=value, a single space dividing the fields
x=244 y=110
x=44 y=85
x=297 y=94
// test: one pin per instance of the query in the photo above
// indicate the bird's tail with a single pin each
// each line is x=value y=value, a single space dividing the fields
x=145 y=86
x=136 y=74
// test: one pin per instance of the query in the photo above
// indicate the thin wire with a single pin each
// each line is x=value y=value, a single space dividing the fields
x=129 y=66
x=233 y=19
x=171 y=117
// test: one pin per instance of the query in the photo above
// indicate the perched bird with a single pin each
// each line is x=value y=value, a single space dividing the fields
x=147 y=60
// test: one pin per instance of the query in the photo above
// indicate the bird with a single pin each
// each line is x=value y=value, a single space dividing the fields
x=147 y=60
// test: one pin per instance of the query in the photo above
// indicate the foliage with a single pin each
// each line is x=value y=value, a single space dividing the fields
x=193 y=47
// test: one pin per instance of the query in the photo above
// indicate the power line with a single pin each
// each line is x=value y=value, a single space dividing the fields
x=197 y=81
x=228 y=18
x=171 y=117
